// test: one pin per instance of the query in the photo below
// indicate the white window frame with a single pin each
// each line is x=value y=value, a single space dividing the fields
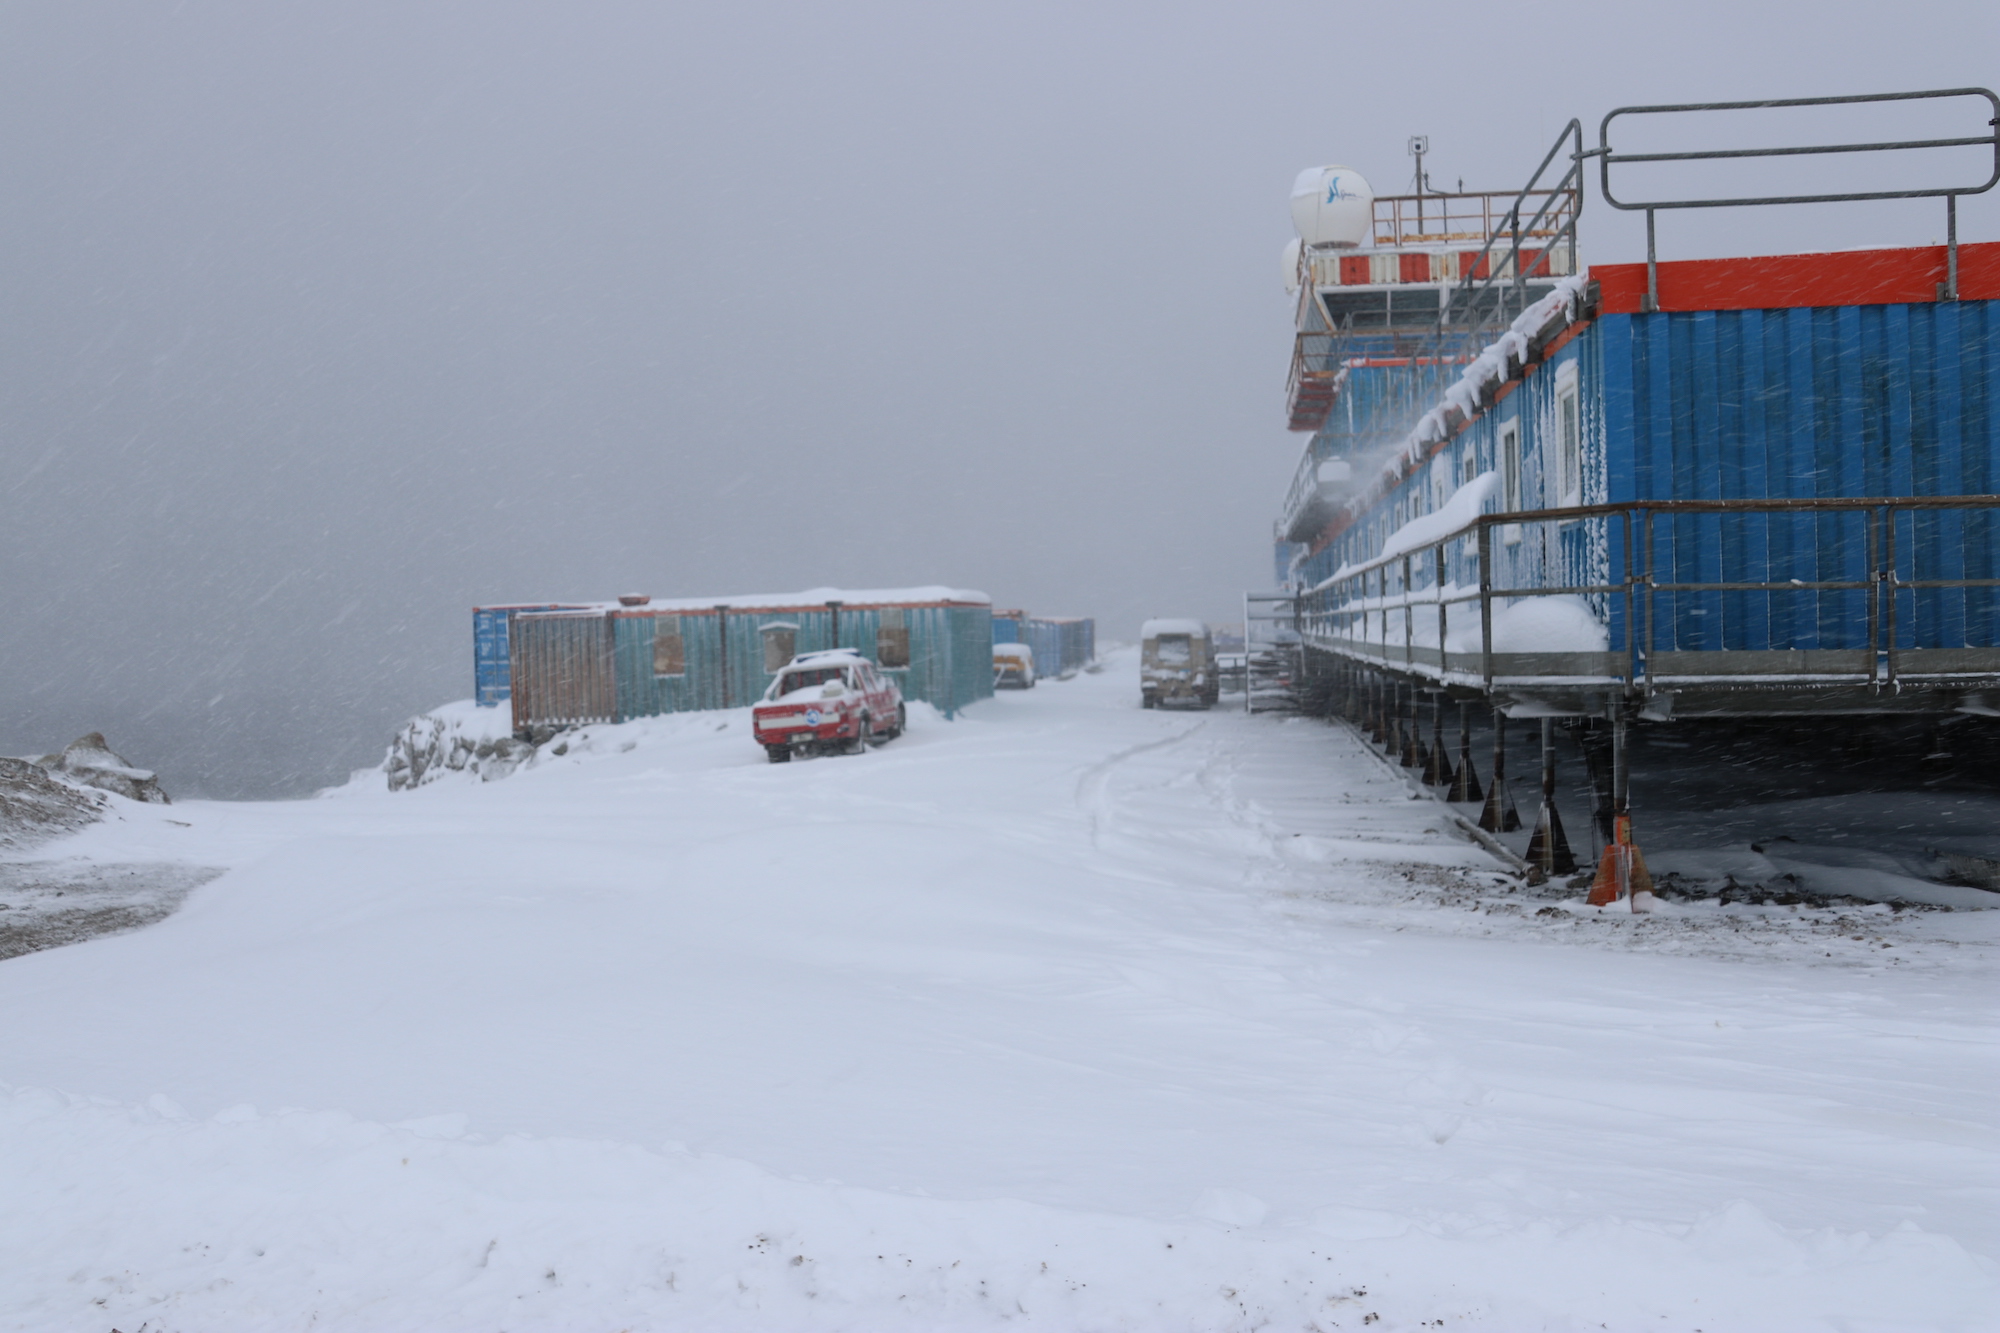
x=768 y=635
x=1509 y=449
x=1568 y=438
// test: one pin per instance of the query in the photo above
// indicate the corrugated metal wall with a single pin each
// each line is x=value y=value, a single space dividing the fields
x=492 y=670
x=950 y=657
x=1842 y=401
x=1845 y=401
x=1060 y=645
x=492 y=651
x=562 y=668
x=491 y=673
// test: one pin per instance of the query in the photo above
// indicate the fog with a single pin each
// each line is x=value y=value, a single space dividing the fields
x=325 y=323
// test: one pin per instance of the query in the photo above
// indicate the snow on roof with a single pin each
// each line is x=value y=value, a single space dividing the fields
x=1152 y=629
x=1013 y=650
x=1466 y=503
x=827 y=657
x=1462 y=398
x=810 y=600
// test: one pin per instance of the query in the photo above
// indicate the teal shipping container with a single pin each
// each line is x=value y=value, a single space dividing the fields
x=687 y=654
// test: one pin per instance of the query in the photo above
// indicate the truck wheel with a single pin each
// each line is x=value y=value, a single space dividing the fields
x=902 y=720
x=862 y=735
x=780 y=754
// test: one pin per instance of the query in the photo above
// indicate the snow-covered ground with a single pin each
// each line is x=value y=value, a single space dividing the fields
x=1065 y=1014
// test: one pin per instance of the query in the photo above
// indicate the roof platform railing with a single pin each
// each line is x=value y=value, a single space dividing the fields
x=1436 y=218
x=1875 y=639
x=1947 y=291
x=1493 y=290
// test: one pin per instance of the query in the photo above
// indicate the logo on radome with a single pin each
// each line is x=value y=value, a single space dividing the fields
x=1333 y=191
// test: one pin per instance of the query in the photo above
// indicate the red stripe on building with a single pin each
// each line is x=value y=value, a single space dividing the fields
x=1776 y=282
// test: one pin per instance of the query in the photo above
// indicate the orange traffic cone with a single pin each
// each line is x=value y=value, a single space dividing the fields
x=1622 y=872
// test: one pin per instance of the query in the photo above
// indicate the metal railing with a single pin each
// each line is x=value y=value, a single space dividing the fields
x=1441 y=219
x=1490 y=291
x=1481 y=301
x=1330 y=610
x=1949 y=193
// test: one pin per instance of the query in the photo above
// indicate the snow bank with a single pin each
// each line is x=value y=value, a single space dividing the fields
x=1559 y=623
x=1070 y=1014
x=124 y=1215
x=1467 y=503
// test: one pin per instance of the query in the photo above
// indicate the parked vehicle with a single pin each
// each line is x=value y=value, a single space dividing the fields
x=835 y=701
x=1013 y=666
x=1177 y=664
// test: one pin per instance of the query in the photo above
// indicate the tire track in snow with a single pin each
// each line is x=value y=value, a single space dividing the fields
x=1093 y=789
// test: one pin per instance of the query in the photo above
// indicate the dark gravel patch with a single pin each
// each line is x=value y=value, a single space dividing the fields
x=47 y=904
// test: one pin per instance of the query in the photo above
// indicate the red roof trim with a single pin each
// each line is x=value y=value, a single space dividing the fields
x=1776 y=282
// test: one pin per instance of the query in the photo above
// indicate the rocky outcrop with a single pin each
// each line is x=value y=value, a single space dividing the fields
x=436 y=744
x=35 y=807
x=91 y=761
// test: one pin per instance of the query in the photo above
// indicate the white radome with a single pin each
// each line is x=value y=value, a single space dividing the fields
x=1289 y=262
x=1333 y=207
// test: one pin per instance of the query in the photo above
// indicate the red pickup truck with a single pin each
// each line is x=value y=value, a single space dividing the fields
x=834 y=701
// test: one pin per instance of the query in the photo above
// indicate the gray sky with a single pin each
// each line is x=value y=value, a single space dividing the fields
x=320 y=324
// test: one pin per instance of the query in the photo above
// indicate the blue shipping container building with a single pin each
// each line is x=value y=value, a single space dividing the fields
x=1775 y=491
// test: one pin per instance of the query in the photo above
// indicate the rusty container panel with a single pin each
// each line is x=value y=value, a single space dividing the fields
x=563 y=669
x=492 y=668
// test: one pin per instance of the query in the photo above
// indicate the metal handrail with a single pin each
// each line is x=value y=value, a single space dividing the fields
x=1949 y=193
x=1641 y=582
x=1390 y=218
x=1568 y=186
x=1554 y=224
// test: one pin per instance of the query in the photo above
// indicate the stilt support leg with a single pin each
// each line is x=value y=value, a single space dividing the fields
x=1406 y=718
x=1499 y=816
x=1465 y=787
x=1548 y=849
x=1438 y=771
x=1622 y=874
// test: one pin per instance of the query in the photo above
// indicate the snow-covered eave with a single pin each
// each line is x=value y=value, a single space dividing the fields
x=1535 y=333
x=812 y=599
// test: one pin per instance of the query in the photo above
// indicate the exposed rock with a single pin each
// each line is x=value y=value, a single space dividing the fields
x=449 y=741
x=35 y=806
x=91 y=761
